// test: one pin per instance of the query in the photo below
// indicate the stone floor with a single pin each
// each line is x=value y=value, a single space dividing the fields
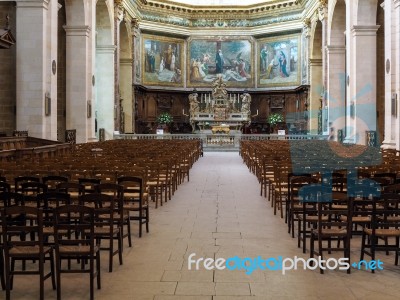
x=218 y=214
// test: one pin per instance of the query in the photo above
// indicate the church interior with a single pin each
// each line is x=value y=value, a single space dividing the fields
x=199 y=149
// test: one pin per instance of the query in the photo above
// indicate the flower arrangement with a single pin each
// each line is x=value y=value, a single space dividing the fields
x=164 y=118
x=275 y=118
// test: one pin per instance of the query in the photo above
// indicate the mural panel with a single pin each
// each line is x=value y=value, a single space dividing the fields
x=279 y=61
x=162 y=61
x=233 y=58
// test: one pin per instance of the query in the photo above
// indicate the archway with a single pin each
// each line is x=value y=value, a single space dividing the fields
x=125 y=77
x=336 y=62
x=316 y=84
x=105 y=51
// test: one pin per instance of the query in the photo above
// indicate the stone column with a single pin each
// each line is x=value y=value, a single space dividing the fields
x=35 y=51
x=315 y=94
x=106 y=108
x=323 y=17
x=78 y=87
x=118 y=17
x=390 y=120
x=363 y=81
x=336 y=87
x=126 y=91
x=396 y=66
x=306 y=51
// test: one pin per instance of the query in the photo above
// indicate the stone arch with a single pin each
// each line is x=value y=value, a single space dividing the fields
x=105 y=51
x=336 y=65
x=125 y=76
x=315 y=76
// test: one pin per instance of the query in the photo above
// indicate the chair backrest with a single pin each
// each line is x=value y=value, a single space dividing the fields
x=71 y=187
x=19 y=180
x=89 y=184
x=53 y=180
x=133 y=188
x=4 y=187
x=75 y=219
x=32 y=188
x=385 y=212
x=14 y=223
x=11 y=199
x=104 y=208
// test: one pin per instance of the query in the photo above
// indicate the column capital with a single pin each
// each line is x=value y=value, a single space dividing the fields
x=322 y=10
x=365 y=30
x=396 y=3
x=106 y=49
x=82 y=30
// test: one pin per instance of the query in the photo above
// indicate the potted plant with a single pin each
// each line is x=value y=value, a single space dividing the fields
x=164 y=120
x=274 y=119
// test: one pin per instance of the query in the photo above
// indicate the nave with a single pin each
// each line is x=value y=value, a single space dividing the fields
x=218 y=213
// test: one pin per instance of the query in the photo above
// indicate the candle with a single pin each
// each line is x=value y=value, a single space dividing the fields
x=257 y=112
x=183 y=111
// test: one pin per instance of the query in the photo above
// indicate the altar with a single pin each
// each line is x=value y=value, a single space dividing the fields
x=220 y=111
x=223 y=128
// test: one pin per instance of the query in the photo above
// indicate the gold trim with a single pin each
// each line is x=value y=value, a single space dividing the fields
x=162 y=39
x=299 y=60
x=238 y=84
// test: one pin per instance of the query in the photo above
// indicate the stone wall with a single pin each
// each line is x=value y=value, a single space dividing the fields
x=8 y=73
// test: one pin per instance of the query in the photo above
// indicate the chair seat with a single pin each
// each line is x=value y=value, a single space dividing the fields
x=76 y=250
x=312 y=218
x=390 y=218
x=105 y=230
x=329 y=232
x=27 y=251
x=357 y=219
x=384 y=232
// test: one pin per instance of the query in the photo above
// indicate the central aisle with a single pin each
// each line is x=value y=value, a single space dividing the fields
x=218 y=214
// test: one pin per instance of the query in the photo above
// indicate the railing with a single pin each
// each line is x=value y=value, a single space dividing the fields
x=219 y=140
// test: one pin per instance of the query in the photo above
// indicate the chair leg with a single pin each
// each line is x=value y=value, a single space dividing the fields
x=3 y=283
x=53 y=278
x=120 y=247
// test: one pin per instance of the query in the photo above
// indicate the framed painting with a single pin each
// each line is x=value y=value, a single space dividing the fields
x=279 y=61
x=162 y=61
x=233 y=58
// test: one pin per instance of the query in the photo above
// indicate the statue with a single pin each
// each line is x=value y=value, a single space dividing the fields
x=246 y=101
x=194 y=108
x=219 y=88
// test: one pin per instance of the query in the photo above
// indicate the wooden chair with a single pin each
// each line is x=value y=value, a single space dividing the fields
x=83 y=246
x=121 y=216
x=23 y=250
x=330 y=227
x=135 y=200
x=105 y=228
x=385 y=224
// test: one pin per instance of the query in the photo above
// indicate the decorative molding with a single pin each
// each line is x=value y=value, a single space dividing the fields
x=396 y=3
x=106 y=49
x=71 y=30
x=336 y=49
x=365 y=30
